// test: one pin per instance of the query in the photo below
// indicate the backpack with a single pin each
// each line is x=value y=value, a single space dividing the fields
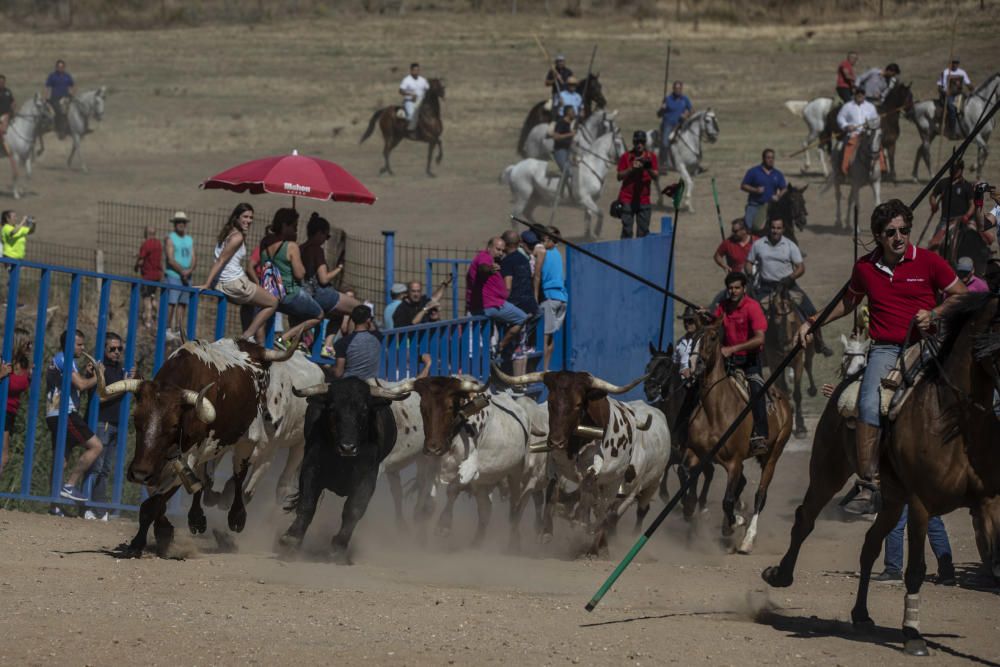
x=270 y=276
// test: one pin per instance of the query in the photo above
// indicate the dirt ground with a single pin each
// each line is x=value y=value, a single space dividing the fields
x=186 y=103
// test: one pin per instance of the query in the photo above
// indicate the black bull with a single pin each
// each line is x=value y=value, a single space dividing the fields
x=349 y=429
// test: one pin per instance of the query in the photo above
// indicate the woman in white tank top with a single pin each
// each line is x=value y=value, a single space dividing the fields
x=229 y=268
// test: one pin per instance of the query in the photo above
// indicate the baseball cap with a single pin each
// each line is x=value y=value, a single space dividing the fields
x=397 y=288
x=529 y=237
x=638 y=136
x=965 y=265
x=559 y=57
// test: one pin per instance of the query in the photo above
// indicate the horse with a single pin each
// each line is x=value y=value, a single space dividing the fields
x=539 y=144
x=898 y=99
x=783 y=321
x=720 y=400
x=590 y=89
x=791 y=209
x=865 y=169
x=530 y=185
x=925 y=115
x=684 y=155
x=395 y=129
x=816 y=114
x=79 y=110
x=937 y=456
x=666 y=390
x=21 y=134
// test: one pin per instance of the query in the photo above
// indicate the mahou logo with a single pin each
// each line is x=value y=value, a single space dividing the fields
x=295 y=187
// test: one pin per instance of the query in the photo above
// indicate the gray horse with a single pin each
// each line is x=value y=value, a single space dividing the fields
x=21 y=135
x=539 y=144
x=814 y=112
x=923 y=116
x=81 y=109
x=865 y=169
x=685 y=152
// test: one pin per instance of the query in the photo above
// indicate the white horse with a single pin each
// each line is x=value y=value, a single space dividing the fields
x=81 y=109
x=814 y=113
x=21 y=134
x=685 y=150
x=530 y=186
x=865 y=169
x=980 y=102
x=539 y=143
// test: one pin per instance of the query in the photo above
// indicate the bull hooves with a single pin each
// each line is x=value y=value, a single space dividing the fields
x=125 y=550
x=915 y=647
x=237 y=521
x=288 y=544
x=775 y=577
x=340 y=556
x=197 y=524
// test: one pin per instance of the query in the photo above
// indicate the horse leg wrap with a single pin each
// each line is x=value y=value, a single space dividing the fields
x=911 y=611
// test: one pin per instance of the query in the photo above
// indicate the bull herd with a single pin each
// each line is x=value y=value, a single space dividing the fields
x=583 y=456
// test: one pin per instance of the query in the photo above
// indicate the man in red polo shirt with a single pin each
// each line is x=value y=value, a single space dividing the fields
x=902 y=284
x=744 y=325
x=636 y=170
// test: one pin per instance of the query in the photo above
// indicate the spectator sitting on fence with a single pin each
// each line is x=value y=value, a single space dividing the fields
x=515 y=267
x=359 y=353
x=107 y=423
x=415 y=305
x=396 y=292
x=234 y=278
x=149 y=265
x=179 y=268
x=554 y=294
x=15 y=234
x=19 y=372
x=486 y=294
x=77 y=431
x=319 y=276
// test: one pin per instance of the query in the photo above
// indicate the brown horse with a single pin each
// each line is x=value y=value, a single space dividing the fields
x=783 y=321
x=898 y=99
x=938 y=456
x=395 y=129
x=720 y=401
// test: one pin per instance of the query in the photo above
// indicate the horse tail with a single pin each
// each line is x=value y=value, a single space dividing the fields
x=527 y=127
x=371 y=125
x=505 y=175
x=797 y=107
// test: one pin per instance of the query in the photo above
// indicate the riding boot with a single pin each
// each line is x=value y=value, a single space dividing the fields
x=867 y=451
x=759 y=434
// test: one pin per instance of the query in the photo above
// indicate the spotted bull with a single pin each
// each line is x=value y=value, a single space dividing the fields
x=606 y=454
x=206 y=399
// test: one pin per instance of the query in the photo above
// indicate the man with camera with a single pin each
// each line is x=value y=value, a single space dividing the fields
x=636 y=170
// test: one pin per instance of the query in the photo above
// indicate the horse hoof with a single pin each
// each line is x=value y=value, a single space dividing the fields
x=801 y=432
x=915 y=647
x=775 y=577
x=727 y=530
x=740 y=521
x=744 y=550
x=442 y=531
x=812 y=391
x=862 y=622
x=431 y=175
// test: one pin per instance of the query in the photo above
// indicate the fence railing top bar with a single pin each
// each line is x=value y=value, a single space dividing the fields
x=469 y=319
x=107 y=276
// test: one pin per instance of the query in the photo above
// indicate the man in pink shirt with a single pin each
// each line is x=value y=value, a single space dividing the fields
x=966 y=271
x=486 y=292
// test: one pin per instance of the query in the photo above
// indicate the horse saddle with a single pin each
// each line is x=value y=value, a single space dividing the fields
x=896 y=387
x=743 y=386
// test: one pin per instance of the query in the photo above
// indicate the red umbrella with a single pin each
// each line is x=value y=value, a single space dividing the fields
x=295 y=175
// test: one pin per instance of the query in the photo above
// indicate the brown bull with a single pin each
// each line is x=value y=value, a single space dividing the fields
x=206 y=398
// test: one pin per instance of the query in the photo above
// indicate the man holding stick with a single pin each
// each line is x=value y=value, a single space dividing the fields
x=673 y=112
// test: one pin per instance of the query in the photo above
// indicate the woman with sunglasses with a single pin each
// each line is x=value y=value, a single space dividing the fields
x=902 y=284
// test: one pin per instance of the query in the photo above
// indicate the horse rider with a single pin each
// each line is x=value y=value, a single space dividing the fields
x=845 y=76
x=853 y=118
x=901 y=283
x=779 y=265
x=562 y=138
x=673 y=112
x=569 y=97
x=960 y=200
x=877 y=82
x=413 y=87
x=555 y=79
x=682 y=362
x=953 y=83
x=637 y=169
x=6 y=106
x=59 y=86
x=744 y=327
x=764 y=184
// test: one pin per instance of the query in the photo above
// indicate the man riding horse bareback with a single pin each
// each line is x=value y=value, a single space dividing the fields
x=901 y=283
x=952 y=85
x=854 y=117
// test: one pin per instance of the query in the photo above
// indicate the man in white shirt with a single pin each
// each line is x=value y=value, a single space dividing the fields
x=953 y=82
x=852 y=118
x=413 y=87
x=570 y=97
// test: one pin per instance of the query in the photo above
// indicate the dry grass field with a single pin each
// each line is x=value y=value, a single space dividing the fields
x=186 y=102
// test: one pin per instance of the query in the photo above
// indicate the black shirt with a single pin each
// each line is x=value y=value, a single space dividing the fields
x=6 y=101
x=562 y=127
x=108 y=412
x=564 y=73
x=961 y=197
x=406 y=311
x=518 y=267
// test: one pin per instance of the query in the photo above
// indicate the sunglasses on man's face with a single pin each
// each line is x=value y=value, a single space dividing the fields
x=891 y=232
x=115 y=349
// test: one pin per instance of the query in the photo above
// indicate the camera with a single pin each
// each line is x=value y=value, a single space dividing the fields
x=982 y=188
x=646 y=163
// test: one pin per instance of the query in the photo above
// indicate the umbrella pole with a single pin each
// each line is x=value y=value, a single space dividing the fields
x=293 y=202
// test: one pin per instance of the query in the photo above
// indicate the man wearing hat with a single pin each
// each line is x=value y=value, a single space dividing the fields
x=953 y=82
x=636 y=170
x=966 y=270
x=555 y=79
x=570 y=98
x=179 y=268
x=397 y=292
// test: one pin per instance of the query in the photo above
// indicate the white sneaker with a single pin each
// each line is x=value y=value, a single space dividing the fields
x=172 y=334
x=89 y=516
x=105 y=516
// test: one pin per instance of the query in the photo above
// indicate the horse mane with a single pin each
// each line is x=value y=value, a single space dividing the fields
x=986 y=84
x=696 y=116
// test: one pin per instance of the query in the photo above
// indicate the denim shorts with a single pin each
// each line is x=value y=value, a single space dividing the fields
x=174 y=296
x=881 y=360
x=508 y=314
x=300 y=306
x=327 y=297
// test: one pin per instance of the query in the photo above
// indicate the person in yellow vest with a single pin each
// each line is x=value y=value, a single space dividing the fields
x=15 y=234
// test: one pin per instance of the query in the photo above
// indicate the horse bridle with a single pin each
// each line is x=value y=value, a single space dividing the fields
x=86 y=109
x=702 y=122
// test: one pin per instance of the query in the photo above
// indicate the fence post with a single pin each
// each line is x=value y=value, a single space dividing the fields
x=389 y=261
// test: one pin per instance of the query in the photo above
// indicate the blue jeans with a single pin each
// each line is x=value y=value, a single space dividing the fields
x=749 y=214
x=561 y=156
x=881 y=360
x=300 y=306
x=936 y=535
x=105 y=461
x=327 y=297
x=508 y=314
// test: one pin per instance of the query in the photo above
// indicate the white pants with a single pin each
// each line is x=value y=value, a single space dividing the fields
x=411 y=107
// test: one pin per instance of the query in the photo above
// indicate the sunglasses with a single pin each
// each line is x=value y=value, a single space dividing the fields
x=115 y=349
x=892 y=231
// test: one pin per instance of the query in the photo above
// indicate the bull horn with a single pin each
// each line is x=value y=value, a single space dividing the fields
x=313 y=390
x=645 y=427
x=393 y=393
x=283 y=355
x=473 y=387
x=110 y=391
x=203 y=408
x=517 y=380
x=605 y=386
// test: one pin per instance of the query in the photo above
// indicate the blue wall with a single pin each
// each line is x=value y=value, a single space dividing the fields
x=612 y=318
